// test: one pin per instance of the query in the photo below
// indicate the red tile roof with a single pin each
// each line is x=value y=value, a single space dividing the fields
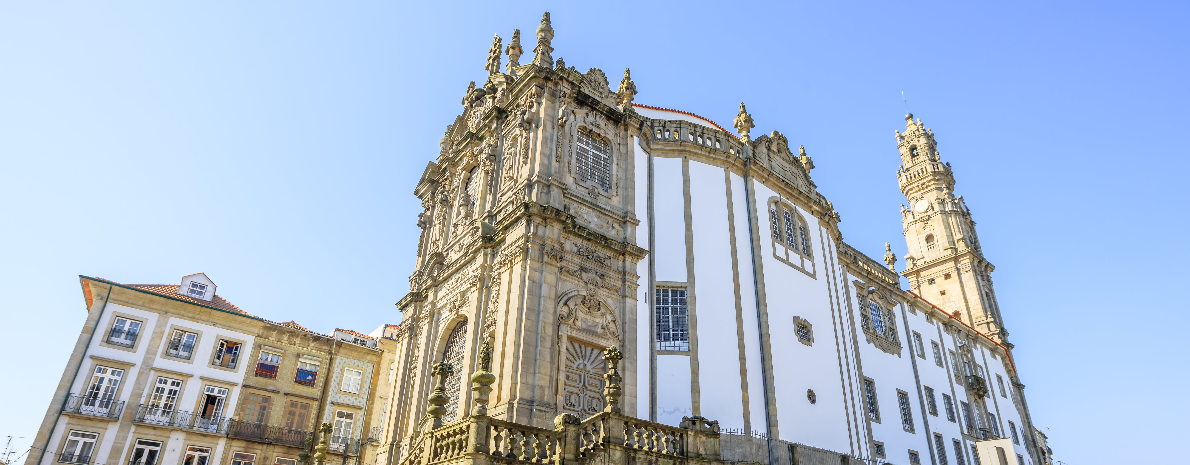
x=171 y=290
x=294 y=325
x=732 y=134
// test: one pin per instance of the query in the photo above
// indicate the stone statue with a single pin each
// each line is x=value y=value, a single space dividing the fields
x=493 y=65
x=545 y=34
x=743 y=123
x=626 y=92
x=514 y=52
x=889 y=258
x=612 y=389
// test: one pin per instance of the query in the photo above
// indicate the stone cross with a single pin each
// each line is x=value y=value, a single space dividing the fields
x=743 y=123
x=612 y=379
x=514 y=51
x=438 y=399
x=545 y=34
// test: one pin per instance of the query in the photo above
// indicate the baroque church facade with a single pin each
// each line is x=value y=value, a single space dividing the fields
x=562 y=219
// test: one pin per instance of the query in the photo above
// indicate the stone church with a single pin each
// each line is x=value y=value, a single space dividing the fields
x=582 y=254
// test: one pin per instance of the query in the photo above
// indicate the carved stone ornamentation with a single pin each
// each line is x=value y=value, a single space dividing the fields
x=612 y=390
x=743 y=123
x=626 y=92
x=493 y=64
x=591 y=253
x=514 y=52
x=545 y=34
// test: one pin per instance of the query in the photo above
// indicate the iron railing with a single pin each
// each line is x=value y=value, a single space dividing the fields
x=121 y=337
x=266 y=370
x=180 y=419
x=344 y=445
x=261 y=432
x=74 y=458
x=179 y=349
x=94 y=406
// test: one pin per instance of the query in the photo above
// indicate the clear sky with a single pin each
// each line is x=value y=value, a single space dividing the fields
x=275 y=146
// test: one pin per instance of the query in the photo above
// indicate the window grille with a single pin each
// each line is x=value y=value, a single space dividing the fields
x=914 y=458
x=946 y=402
x=801 y=231
x=1012 y=429
x=975 y=455
x=967 y=418
x=930 y=402
x=995 y=427
x=1000 y=382
x=672 y=330
x=790 y=230
x=940 y=446
x=870 y=399
x=906 y=413
x=958 y=452
x=921 y=348
x=877 y=317
x=776 y=225
x=878 y=449
x=937 y=353
x=593 y=161
x=803 y=332
x=453 y=354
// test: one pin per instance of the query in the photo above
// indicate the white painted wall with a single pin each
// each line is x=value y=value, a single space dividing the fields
x=669 y=220
x=643 y=307
x=673 y=389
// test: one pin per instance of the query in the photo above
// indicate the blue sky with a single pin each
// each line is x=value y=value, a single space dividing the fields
x=275 y=146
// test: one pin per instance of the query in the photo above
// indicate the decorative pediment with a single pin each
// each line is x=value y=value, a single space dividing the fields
x=586 y=313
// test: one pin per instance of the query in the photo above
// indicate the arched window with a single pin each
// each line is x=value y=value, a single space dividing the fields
x=453 y=354
x=912 y=152
x=472 y=187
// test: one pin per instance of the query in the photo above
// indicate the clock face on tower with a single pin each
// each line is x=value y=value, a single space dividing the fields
x=921 y=206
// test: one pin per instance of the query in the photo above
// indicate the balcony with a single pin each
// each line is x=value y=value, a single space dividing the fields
x=343 y=445
x=260 y=432
x=122 y=338
x=305 y=377
x=977 y=385
x=94 y=407
x=180 y=420
x=266 y=370
x=74 y=458
x=179 y=349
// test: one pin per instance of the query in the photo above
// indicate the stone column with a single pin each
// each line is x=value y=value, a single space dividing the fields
x=438 y=399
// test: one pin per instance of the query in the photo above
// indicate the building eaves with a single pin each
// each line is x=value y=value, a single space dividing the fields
x=162 y=290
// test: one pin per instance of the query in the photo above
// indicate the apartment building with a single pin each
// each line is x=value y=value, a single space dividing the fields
x=177 y=375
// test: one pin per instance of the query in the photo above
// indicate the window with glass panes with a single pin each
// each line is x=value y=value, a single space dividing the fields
x=931 y=403
x=906 y=412
x=672 y=329
x=958 y=452
x=197 y=455
x=940 y=447
x=593 y=161
x=181 y=344
x=267 y=364
x=124 y=332
x=79 y=446
x=937 y=353
x=949 y=405
x=870 y=400
x=351 y=380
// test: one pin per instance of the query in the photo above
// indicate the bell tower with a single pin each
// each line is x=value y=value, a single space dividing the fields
x=945 y=264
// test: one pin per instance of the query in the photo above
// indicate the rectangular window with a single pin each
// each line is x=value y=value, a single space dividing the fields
x=197 y=456
x=946 y=402
x=870 y=400
x=803 y=332
x=267 y=364
x=307 y=372
x=211 y=408
x=877 y=317
x=145 y=452
x=163 y=400
x=937 y=353
x=1000 y=382
x=351 y=380
x=1020 y=458
x=914 y=458
x=124 y=332
x=958 y=452
x=341 y=434
x=593 y=161
x=954 y=364
x=297 y=415
x=931 y=404
x=940 y=447
x=285 y=461
x=227 y=354
x=242 y=458
x=921 y=348
x=878 y=449
x=1012 y=429
x=906 y=412
x=256 y=408
x=197 y=290
x=79 y=446
x=672 y=330
x=774 y=222
x=975 y=455
x=790 y=227
x=101 y=393
x=967 y=418
x=181 y=344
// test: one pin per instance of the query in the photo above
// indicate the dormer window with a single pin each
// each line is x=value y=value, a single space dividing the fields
x=198 y=290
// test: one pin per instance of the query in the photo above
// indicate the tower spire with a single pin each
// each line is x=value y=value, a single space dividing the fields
x=945 y=264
